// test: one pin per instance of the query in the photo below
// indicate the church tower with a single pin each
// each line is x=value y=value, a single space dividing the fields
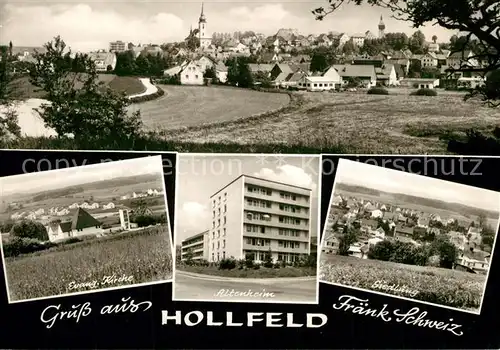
x=205 y=39
x=381 y=28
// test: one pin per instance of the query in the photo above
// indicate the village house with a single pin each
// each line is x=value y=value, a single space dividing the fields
x=317 y=83
x=331 y=244
x=260 y=68
x=386 y=75
x=108 y=206
x=104 y=61
x=358 y=39
x=465 y=58
x=189 y=73
x=420 y=83
x=81 y=224
x=423 y=222
x=377 y=214
x=364 y=73
x=337 y=200
x=476 y=260
x=429 y=60
x=358 y=250
x=403 y=231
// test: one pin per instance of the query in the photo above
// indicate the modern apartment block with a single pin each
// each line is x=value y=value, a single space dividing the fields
x=257 y=216
x=197 y=244
x=117 y=46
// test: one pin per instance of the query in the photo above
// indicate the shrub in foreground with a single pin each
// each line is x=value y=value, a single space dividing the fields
x=18 y=246
x=424 y=92
x=378 y=90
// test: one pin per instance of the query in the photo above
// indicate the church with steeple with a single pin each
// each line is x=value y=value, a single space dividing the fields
x=203 y=36
x=381 y=28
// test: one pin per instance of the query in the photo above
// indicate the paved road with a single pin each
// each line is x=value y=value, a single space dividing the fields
x=196 y=105
x=190 y=286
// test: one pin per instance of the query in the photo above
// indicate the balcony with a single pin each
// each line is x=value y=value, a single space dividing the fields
x=274 y=249
x=276 y=211
x=276 y=223
x=275 y=197
x=275 y=236
x=192 y=245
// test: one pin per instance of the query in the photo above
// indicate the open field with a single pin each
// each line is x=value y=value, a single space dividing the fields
x=362 y=123
x=435 y=285
x=128 y=85
x=185 y=106
x=493 y=222
x=251 y=273
x=145 y=255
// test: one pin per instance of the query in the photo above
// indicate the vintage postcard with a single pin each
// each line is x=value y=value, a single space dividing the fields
x=246 y=228
x=85 y=228
x=409 y=235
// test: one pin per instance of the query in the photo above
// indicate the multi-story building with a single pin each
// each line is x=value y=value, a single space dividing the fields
x=117 y=46
x=259 y=217
x=197 y=245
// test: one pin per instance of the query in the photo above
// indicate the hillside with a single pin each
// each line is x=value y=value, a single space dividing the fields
x=427 y=202
x=90 y=186
x=128 y=85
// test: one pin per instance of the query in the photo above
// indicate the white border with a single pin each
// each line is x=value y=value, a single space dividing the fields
x=93 y=291
x=250 y=301
x=397 y=296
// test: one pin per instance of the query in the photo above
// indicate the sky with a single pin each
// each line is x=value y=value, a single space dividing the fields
x=54 y=179
x=389 y=180
x=91 y=25
x=200 y=176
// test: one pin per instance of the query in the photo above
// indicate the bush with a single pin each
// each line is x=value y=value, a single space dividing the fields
x=30 y=229
x=72 y=240
x=424 y=92
x=227 y=264
x=147 y=220
x=140 y=99
x=378 y=90
x=19 y=245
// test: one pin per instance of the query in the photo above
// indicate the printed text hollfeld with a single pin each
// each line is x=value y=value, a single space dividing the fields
x=268 y=319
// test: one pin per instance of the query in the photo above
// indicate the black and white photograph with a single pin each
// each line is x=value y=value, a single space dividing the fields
x=85 y=229
x=246 y=228
x=272 y=76
x=409 y=235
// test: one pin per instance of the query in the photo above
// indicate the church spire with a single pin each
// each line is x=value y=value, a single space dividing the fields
x=202 y=15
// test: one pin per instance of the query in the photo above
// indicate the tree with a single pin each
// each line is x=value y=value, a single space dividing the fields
x=125 y=63
x=210 y=73
x=268 y=259
x=188 y=258
x=318 y=63
x=396 y=41
x=9 y=90
x=348 y=238
x=192 y=41
x=434 y=39
x=79 y=105
x=30 y=229
x=446 y=250
x=417 y=42
x=350 y=48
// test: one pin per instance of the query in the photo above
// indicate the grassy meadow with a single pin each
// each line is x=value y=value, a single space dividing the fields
x=145 y=255
x=262 y=272
x=354 y=122
x=446 y=287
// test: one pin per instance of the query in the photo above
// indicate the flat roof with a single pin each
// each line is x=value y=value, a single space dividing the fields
x=261 y=179
x=195 y=235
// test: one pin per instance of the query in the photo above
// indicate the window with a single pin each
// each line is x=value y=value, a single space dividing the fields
x=213 y=235
x=224 y=243
x=187 y=76
x=213 y=204
x=225 y=220
x=196 y=76
x=213 y=246
x=218 y=244
x=262 y=229
x=223 y=255
x=225 y=208
x=219 y=198
x=218 y=233
x=219 y=211
x=224 y=232
x=213 y=214
x=218 y=222
x=213 y=224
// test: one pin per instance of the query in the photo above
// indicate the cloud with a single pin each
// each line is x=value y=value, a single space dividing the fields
x=192 y=219
x=288 y=174
x=84 y=28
